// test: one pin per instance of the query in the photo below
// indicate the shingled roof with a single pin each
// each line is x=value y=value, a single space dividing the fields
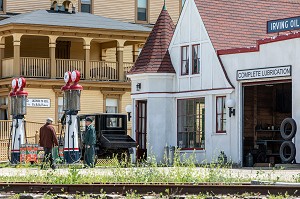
x=240 y=23
x=155 y=57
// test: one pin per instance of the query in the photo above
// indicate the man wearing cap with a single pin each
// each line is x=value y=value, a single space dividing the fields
x=48 y=139
x=89 y=141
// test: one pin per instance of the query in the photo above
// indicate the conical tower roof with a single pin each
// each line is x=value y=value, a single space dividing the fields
x=155 y=57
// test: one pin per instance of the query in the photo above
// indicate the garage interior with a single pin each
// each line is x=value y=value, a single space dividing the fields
x=265 y=107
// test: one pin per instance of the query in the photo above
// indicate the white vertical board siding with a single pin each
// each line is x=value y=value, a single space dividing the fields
x=189 y=31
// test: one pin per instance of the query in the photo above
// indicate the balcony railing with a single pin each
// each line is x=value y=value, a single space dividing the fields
x=7 y=67
x=103 y=70
x=127 y=68
x=35 y=67
x=63 y=65
x=41 y=68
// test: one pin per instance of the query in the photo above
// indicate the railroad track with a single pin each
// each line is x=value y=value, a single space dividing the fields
x=214 y=188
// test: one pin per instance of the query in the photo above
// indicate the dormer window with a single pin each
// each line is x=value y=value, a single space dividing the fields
x=63 y=6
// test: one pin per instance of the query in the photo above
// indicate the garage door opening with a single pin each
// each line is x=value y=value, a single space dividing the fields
x=265 y=107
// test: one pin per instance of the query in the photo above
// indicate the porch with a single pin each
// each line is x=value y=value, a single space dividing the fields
x=49 y=57
x=34 y=67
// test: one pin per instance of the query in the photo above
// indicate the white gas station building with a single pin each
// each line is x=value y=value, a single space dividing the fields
x=219 y=81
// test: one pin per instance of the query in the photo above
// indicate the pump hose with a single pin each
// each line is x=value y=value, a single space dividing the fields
x=9 y=141
x=14 y=137
x=25 y=134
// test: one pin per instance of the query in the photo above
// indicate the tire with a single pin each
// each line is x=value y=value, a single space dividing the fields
x=287 y=158
x=288 y=135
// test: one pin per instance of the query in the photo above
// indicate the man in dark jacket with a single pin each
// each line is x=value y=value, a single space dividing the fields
x=89 y=141
x=47 y=140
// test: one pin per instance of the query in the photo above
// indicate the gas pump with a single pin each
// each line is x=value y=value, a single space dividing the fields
x=71 y=107
x=18 y=109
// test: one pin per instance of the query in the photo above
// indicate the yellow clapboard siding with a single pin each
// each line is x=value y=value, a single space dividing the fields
x=21 y=6
x=173 y=7
x=41 y=114
x=123 y=10
x=127 y=55
x=91 y=102
x=126 y=100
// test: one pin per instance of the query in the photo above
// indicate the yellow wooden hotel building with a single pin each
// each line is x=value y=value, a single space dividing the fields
x=40 y=40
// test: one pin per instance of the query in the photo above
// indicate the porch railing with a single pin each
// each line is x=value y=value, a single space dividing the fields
x=103 y=70
x=31 y=129
x=127 y=67
x=35 y=67
x=7 y=67
x=63 y=65
x=41 y=68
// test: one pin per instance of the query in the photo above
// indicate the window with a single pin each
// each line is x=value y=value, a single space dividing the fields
x=3 y=108
x=86 y=6
x=114 y=122
x=1 y=5
x=221 y=114
x=191 y=123
x=142 y=10
x=111 y=105
x=196 y=59
x=184 y=60
x=60 y=103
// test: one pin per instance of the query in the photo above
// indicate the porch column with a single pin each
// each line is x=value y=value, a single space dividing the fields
x=135 y=52
x=52 y=46
x=2 y=47
x=120 y=52
x=17 y=52
x=87 y=48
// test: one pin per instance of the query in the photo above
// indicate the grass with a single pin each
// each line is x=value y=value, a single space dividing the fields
x=184 y=170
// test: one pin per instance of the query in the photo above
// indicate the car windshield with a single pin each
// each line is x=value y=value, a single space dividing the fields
x=114 y=122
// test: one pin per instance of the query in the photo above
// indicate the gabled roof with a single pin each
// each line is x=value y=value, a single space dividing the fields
x=79 y=19
x=240 y=23
x=155 y=57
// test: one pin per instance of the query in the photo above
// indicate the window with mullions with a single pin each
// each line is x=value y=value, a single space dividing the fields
x=196 y=59
x=184 y=60
x=142 y=10
x=191 y=123
x=86 y=6
x=221 y=114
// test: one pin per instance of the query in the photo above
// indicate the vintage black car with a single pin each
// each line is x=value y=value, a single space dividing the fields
x=111 y=133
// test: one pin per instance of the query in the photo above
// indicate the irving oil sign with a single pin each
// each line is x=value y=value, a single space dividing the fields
x=281 y=25
x=259 y=73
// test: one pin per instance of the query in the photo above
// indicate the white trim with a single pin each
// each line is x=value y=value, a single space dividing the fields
x=149 y=75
